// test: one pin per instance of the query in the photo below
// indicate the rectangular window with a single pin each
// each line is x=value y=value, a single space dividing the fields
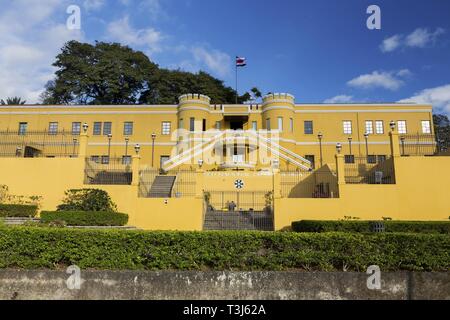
x=95 y=159
x=53 y=128
x=192 y=124
x=23 y=128
x=291 y=124
x=349 y=158
x=381 y=158
x=401 y=124
x=128 y=128
x=268 y=124
x=309 y=127
x=310 y=158
x=280 y=124
x=204 y=125
x=369 y=127
x=347 y=125
x=76 y=128
x=254 y=125
x=105 y=159
x=426 y=126
x=166 y=128
x=126 y=160
x=97 y=128
x=379 y=127
x=107 y=128
x=371 y=159
x=181 y=124
x=218 y=125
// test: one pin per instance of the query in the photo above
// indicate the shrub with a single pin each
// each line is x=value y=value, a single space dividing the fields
x=54 y=248
x=85 y=218
x=366 y=226
x=18 y=210
x=87 y=200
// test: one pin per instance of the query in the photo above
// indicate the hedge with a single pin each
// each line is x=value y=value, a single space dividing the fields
x=85 y=218
x=366 y=226
x=18 y=210
x=55 y=248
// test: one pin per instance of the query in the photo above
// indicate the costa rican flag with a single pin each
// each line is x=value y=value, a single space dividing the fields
x=241 y=62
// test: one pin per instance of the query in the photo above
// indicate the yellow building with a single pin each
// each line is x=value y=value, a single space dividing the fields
x=196 y=166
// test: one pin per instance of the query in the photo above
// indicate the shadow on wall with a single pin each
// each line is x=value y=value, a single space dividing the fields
x=321 y=183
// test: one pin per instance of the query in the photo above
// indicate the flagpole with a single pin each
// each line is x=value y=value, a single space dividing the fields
x=236 y=66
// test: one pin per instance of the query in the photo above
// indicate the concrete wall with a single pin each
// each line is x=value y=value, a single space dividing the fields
x=121 y=285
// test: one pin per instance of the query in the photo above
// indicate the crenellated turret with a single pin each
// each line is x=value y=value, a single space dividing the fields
x=278 y=112
x=193 y=107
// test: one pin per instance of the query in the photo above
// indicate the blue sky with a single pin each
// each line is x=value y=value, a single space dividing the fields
x=320 y=51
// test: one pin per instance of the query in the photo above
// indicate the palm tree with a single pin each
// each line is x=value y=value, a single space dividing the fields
x=12 y=101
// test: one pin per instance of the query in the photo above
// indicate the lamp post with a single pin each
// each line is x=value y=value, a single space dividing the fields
x=153 y=148
x=338 y=148
x=350 y=144
x=85 y=127
x=392 y=125
x=366 y=136
x=109 y=146
x=126 y=145
x=320 y=136
x=137 y=148
x=200 y=163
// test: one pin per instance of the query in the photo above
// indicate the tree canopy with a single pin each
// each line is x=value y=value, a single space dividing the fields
x=110 y=73
x=12 y=101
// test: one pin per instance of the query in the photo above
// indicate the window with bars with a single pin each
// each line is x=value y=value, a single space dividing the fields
x=349 y=158
x=128 y=128
x=76 y=128
x=379 y=127
x=23 y=128
x=97 y=128
x=126 y=160
x=95 y=159
x=426 y=126
x=105 y=159
x=165 y=128
x=369 y=127
x=311 y=159
x=107 y=128
x=308 y=127
x=401 y=125
x=347 y=125
x=53 y=128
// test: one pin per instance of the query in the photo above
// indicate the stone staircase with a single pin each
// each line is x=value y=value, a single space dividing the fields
x=246 y=220
x=112 y=178
x=162 y=187
x=17 y=221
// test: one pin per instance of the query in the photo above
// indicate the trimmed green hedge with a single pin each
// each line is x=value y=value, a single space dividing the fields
x=18 y=210
x=365 y=226
x=31 y=248
x=85 y=218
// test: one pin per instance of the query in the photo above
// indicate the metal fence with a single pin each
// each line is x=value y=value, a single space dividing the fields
x=370 y=170
x=418 y=145
x=244 y=210
x=33 y=144
x=304 y=184
x=184 y=184
x=107 y=171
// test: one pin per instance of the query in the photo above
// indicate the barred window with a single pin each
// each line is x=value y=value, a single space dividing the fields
x=107 y=128
x=311 y=159
x=95 y=159
x=76 y=128
x=97 y=128
x=426 y=126
x=126 y=160
x=23 y=128
x=105 y=159
x=379 y=127
x=347 y=125
x=309 y=127
x=128 y=128
x=372 y=159
x=401 y=124
x=349 y=158
x=53 y=128
x=166 y=126
x=369 y=127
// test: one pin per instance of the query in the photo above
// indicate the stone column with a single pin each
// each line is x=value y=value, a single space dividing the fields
x=135 y=166
x=340 y=168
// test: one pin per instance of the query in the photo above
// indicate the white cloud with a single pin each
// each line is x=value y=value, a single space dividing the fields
x=380 y=79
x=439 y=97
x=391 y=43
x=339 y=99
x=215 y=60
x=31 y=38
x=121 y=31
x=419 y=38
x=93 y=4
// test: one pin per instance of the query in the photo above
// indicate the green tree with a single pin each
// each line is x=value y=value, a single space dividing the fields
x=13 y=101
x=87 y=200
x=442 y=130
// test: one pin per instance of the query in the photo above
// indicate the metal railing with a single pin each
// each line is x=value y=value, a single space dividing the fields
x=184 y=185
x=107 y=171
x=370 y=170
x=304 y=184
x=33 y=144
x=417 y=144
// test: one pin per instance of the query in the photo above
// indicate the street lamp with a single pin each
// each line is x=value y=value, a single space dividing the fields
x=153 y=148
x=320 y=136
x=350 y=144
x=200 y=163
x=18 y=151
x=366 y=136
x=137 y=148
x=85 y=127
x=338 y=148
x=126 y=145
x=109 y=145
x=392 y=125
